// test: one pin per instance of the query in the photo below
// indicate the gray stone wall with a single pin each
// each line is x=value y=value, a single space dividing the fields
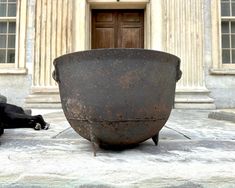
x=15 y=87
x=222 y=87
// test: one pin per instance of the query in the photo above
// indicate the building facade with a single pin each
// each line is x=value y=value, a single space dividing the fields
x=200 y=32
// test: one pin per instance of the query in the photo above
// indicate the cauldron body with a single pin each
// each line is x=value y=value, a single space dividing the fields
x=117 y=97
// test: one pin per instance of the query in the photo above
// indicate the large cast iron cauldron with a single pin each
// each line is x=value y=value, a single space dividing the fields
x=117 y=97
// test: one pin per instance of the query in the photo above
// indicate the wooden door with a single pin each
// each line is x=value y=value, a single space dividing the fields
x=117 y=29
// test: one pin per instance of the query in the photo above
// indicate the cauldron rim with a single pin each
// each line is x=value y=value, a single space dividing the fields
x=168 y=55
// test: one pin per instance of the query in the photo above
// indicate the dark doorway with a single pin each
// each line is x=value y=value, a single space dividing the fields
x=117 y=29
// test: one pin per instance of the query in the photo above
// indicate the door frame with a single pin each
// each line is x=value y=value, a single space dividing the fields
x=82 y=20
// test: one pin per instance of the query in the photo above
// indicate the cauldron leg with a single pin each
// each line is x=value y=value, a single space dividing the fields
x=1 y=131
x=95 y=147
x=94 y=142
x=155 y=139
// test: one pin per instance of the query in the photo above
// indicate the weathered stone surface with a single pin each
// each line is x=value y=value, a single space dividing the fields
x=193 y=151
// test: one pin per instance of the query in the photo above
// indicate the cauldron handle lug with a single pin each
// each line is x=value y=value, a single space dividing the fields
x=178 y=76
x=55 y=76
x=179 y=72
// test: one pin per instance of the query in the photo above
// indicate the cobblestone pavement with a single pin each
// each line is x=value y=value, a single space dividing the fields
x=193 y=151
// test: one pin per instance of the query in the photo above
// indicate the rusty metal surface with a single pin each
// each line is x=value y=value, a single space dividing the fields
x=117 y=96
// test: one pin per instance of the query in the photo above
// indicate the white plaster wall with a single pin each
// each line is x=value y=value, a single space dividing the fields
x=222 y=87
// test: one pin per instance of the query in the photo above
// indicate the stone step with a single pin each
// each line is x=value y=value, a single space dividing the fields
x=223 y=114
x=43 y=100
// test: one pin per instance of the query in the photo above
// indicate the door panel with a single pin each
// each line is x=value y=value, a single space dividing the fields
x=117 y=29
x=130 y=37
x=104 y=17
x=130 y=17
x=106 y=38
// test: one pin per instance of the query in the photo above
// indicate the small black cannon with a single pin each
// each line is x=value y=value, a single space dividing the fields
x=117 y=97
